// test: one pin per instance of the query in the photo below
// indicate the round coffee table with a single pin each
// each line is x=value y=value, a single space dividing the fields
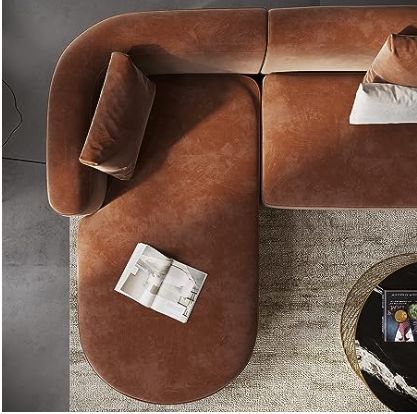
x=388 y=368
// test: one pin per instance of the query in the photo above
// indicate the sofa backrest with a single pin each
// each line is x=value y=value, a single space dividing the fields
x=178 y=41
x=331 y=38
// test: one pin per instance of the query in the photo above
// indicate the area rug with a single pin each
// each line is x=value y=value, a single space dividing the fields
x=309 y=261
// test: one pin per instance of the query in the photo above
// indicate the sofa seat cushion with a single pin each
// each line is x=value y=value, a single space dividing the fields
x=313 y=158
x=194 y=196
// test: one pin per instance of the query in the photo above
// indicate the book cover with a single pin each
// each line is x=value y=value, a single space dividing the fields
x=400 y=316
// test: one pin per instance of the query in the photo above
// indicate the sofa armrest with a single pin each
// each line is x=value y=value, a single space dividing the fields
x=73 y=188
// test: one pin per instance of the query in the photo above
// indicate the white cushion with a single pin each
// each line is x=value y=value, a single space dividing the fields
x=384 y=103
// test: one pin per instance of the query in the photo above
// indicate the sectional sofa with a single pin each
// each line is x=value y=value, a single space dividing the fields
x=251 y=106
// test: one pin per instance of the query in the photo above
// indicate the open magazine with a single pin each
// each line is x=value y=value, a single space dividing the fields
x=160 y=283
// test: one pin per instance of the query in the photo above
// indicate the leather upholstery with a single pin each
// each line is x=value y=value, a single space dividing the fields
x=119 y=121
x=396 y=62
x=331 y=38
x=184 y=41
x=313 y=158
x=195 y=197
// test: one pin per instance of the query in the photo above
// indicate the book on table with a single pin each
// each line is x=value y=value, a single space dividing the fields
x=161 y=283
x=399 y=320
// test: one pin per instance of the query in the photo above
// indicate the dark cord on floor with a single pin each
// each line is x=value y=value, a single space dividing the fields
x=18 y=111
x=22 y=160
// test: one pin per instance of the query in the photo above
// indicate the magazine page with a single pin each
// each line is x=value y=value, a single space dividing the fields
x=143 y=274
x=179 y=291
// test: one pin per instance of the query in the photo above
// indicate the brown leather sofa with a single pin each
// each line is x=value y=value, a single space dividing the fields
x=196 y=189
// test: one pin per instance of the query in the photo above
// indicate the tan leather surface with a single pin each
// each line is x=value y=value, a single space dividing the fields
x=190 y=41
x=313 y=158
x=396 y=62
x=119 y=121
x=194 y=197
x=331 y=38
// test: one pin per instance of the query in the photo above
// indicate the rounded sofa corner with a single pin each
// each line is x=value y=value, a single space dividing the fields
x=196 y=397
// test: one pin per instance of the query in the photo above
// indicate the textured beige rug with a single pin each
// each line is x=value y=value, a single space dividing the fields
x=309 y=260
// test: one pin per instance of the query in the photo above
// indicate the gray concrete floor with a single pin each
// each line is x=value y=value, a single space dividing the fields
x=35 y=239
x=35 y=293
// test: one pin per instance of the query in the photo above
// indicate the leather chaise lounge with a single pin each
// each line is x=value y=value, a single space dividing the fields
x=204 y=166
